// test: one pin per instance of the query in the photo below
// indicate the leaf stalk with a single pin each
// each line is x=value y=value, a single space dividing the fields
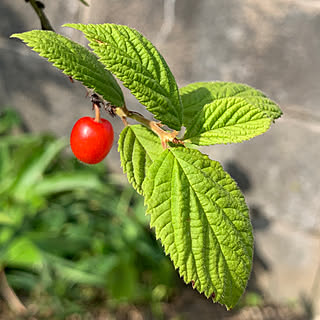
x=164 y=136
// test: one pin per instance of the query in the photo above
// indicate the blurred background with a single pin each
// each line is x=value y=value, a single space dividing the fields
x=74 y=240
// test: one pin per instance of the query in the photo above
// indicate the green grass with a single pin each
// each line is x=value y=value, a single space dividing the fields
x=70 y=236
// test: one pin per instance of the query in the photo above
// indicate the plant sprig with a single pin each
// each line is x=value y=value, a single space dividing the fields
x=198 y=211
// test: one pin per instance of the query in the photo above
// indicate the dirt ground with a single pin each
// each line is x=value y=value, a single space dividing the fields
x=188 y=306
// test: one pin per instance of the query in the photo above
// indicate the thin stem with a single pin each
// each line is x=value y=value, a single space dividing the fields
x=9 y=296
x=45 y=24
x=164 y=136
x=97 y=113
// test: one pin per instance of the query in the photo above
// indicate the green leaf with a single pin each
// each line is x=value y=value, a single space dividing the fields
x=84 y=2
x=67 y=270
x=22 y=252
x=8 y=119
x=67 y=181
x=33 y=172
x=22 y=280
x=123 y=279
x=225 y=112
x=141 y=68
x=5 y=219
x=75 y=61
x=138 y=147
x=202 y=220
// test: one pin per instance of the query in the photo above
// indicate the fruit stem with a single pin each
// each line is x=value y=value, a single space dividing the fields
x=97 y=113
x=164 y=136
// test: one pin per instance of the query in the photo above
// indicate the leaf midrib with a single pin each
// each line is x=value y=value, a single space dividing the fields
x=205 y=130
x=214 y=203
x=211 y=231
x=244 y=248
x=141 y=143
x=161 y=90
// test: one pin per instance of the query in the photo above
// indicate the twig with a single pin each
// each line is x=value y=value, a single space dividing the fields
x=9 y=296
x=164 y=136
x=38 y=8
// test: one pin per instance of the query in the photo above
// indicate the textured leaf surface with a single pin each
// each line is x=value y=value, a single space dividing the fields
x=202 y=220
x=138 y=147
x=141 y=68
x=225 y=112
x=75 y=61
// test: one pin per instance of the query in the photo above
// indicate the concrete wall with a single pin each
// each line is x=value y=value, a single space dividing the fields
x=272 y=45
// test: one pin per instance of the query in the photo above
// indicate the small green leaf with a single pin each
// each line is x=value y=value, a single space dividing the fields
x=225 y=112
x=202 y=220
x=138 y=147
x=75 y=61
x=84 y=2
x=141 y=68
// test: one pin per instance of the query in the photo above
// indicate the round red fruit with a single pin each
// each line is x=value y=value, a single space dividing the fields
x=91 y=140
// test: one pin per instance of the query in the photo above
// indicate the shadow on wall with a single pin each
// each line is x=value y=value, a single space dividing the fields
x=259 y=222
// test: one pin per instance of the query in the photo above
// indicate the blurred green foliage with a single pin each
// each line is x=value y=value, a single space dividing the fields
x=69 y=234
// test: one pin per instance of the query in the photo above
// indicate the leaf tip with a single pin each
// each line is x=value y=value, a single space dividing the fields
x=68 y=25
x=76 y=26
x=16 y=35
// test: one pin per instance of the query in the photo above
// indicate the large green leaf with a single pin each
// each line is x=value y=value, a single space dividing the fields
x=225 y=112
x=202 y=220
x=138 y=147
x=141 y=68
x=75 y=61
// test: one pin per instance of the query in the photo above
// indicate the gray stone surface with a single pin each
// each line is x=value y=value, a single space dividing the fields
x=272 y=45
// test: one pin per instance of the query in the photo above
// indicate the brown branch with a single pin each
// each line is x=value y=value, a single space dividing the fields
x=9 y=296
x=38 y=8
x=164 y=136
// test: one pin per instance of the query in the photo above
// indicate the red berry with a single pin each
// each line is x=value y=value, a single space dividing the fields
x=90 y=140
